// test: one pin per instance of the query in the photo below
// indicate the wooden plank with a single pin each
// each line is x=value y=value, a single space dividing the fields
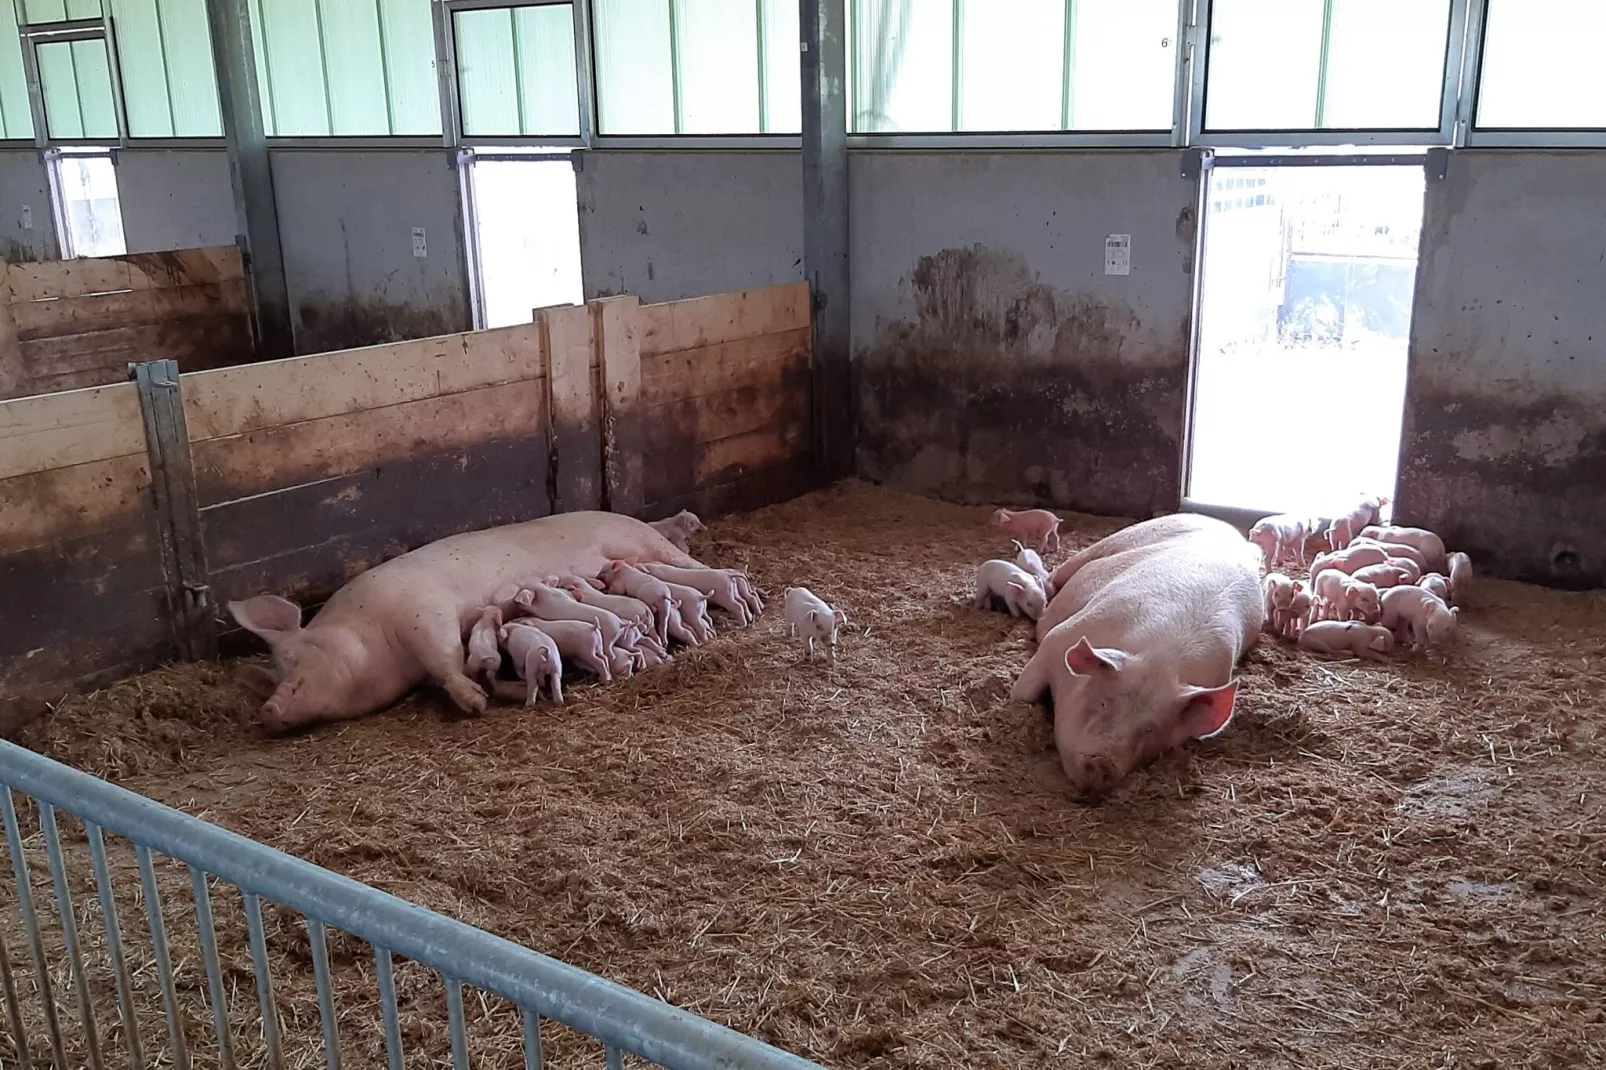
x=712 y=463
x=125 y=308
x=70 y=278
x=188 y=267
x=38 y=507
x=778 y=396
x=619 y=352
x=56 y=430
x=576 y=438
x=704 y=321
x=235 y=400
x=710 y=369
x=13 y=373
x=104 y=356
x=304 y=542
x=753 y=490
x=277 y=457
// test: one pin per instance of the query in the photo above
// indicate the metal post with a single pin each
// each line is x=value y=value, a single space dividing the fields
x=256 y=214
x=825 y=230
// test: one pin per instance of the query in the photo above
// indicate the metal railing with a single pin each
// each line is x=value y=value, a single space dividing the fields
x=623 y=1019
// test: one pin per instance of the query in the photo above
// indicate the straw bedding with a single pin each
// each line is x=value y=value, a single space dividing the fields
x=876 y=864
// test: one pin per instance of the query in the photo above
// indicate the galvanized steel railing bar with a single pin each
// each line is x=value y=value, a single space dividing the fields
x=30 y=922
x=454 y=1020
x=164 y=963
x=387 y=1007
x=214 y=970
x=619 y=1017
x=69 y=931
x=533 y=1059
x=259 y=962
x=14 y=1009
x=326 y=995
x=114 y=943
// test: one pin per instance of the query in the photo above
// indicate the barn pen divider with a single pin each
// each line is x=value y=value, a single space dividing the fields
x=622 y=1019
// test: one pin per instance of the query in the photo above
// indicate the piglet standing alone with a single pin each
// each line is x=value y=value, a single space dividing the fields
x=1038 y=524
x=1280 y=537
x=1008 y=583
x=813 y=619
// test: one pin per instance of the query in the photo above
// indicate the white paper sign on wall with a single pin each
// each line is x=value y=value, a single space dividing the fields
x=27 y=217
x=1118 y=254
x=420 y=246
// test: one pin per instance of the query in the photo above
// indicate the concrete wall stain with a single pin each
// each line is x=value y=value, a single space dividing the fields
x=327 y=325
x=1006 y=389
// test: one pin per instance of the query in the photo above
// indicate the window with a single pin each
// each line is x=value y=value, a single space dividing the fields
x=1539 y=65
x=938 y=66
x=90 y=218
x=697 y=67
x=515 y=71
x=354 y=68
x=16 y=119
x=1326 y=64
x=164 y=52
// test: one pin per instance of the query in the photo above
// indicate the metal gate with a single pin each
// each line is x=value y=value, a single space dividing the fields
x=540 y=987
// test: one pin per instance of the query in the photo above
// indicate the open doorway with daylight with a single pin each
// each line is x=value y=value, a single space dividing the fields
x=524 y=230
x=89 y=216
x=1304 y=317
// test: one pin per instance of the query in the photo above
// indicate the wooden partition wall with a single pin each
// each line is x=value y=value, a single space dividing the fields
x=309 y=470
x=66 y=324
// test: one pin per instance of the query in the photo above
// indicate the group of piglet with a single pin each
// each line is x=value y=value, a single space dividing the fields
x=612 y=624
x=1021 y=586
x=1374 y=587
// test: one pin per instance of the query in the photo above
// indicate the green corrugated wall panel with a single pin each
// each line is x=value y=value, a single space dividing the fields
x=139 y=46
x=190 y=73
x=635 y=93
x=485 y=72
x=44 y=10
x=93 y=71
x=409 y=36
x=355 y=66
x=58 y=77
x=294 y=64
x=545 y=40
x=16 y=120
x=270 y=111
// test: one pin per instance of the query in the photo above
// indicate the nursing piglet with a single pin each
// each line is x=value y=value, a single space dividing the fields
x=484 y=657
x=1031 y=562
x=535 y=658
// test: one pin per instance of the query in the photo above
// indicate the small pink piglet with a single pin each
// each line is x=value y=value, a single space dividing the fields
x=1039 y=524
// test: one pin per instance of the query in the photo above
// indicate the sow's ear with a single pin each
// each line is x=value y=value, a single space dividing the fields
x=1207 y=710
x=268 y=615
x=1084 y=658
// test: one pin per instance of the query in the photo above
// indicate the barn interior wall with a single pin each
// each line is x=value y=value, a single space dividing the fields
x=996 y=359
x=670 y=225
x=175 y=199
x=347 y=222
x=1504 y=450
x=27 y=226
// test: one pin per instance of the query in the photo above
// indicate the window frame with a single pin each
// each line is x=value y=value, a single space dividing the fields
x=31 y=36
x=1471 y=135
x=444 y=12
x=1444 y=134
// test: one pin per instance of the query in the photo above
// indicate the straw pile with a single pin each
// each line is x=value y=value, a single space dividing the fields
x=877 y=864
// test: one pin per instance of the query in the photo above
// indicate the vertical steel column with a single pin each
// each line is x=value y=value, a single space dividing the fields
x=256 y=214
x=825 y=230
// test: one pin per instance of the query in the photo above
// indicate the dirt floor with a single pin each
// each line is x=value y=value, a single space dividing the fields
x=877 y=864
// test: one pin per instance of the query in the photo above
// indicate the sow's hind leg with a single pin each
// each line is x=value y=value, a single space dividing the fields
x=436 y=640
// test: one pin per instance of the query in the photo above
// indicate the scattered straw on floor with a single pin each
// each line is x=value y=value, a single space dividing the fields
x=877 y=864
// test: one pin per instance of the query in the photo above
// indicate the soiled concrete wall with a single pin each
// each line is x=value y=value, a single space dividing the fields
x=1504 y=451
x=668 y=225
x=996 y=360
x=175 y=200
x=26 y=235
x=346 y=222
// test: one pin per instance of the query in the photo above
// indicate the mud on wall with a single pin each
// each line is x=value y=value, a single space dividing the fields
x=27 y=226
x=1504 y=445
x=996 y=360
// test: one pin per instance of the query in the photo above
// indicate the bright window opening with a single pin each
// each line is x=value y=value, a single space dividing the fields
x=89 y=215
x=527 y=228
x=1539 y=68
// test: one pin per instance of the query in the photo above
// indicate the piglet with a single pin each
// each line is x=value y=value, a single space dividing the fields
x=1018 y=590
x=1039 y=524
x=484 y=658
x=579 y=641
x=1356 y=557
x=1347 y=637
x=1393 y=549
x=535 y=658
x=720 y=585
x=1428 y=544
x=1461 y=578
x=1031 y=562
x=627 y=609
x=1343 y=597
x=1437 y=585
x=1345 y=528
x=1383 y=576
x=1297 y=616
x=1279 y=537
x=814 y=620
x=1421 y=614
x=679 y=528
x=550 y=602
x=1278 y=592
x=620 y=577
